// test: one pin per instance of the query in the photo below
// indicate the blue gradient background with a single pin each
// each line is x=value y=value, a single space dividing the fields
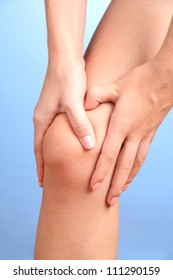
x=146 y=224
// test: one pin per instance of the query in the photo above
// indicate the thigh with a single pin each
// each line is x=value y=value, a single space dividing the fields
x=129 y=34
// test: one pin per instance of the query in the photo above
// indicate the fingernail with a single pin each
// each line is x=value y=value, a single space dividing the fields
x=87 y=142
x=97 y=185
x=40 y=184
x=125 y=187
x=113 y=201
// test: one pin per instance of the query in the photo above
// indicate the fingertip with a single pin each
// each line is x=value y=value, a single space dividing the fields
x=90 y=104
x=113 y=200
x=88 y=142
x=86 y=105
x=40 y=179
x=125 y=187
x=96 y=186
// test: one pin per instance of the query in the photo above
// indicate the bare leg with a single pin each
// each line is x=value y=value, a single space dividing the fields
x=129 y=34
x=74 y=222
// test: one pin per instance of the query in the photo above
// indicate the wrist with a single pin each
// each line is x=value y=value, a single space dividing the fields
x=60 y=63
x=65 y=51
x=161 y=75
x=59 y=69
x=162 y=66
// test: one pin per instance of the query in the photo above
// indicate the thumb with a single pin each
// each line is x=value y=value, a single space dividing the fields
x=100 y=94
x=81 y=125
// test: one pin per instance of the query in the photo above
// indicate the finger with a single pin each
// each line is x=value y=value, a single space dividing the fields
x=38 y=140
x=100 y=94
x=109 y=152
x=123 y=167
x=140 y=156
x=81 y=125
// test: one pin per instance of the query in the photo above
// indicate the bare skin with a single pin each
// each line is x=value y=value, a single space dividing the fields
x=74 y=222
x=67 y=227
x=143 y=97
x=64 y=86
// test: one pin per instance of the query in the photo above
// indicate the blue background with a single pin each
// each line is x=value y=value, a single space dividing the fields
x=146 y=225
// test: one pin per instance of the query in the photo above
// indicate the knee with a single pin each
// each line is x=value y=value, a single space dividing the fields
x=67 y=166
x=64 y=155
x=61 y=148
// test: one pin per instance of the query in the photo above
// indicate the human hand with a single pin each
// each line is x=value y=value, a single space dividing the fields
x=63 y=90
x=142 y=99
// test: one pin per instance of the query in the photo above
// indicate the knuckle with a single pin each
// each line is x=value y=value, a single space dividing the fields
x=143 y=154
x=99 y=175
x=138 y=162
x=109 y=158
x=79 y=128
x=37 y=117
x=140 y=159
x=127 y=167
x=35 y=150
x=69 y=102
x=40 y=118
x=116 y=192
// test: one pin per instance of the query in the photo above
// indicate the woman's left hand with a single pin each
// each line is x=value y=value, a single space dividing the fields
x=142 y=99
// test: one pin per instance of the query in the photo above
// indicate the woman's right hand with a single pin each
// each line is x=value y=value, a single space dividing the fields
x=63 y=90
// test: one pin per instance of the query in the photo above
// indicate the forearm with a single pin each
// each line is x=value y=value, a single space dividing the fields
x=65 y=26
x=168 y=42
x=165 y=55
